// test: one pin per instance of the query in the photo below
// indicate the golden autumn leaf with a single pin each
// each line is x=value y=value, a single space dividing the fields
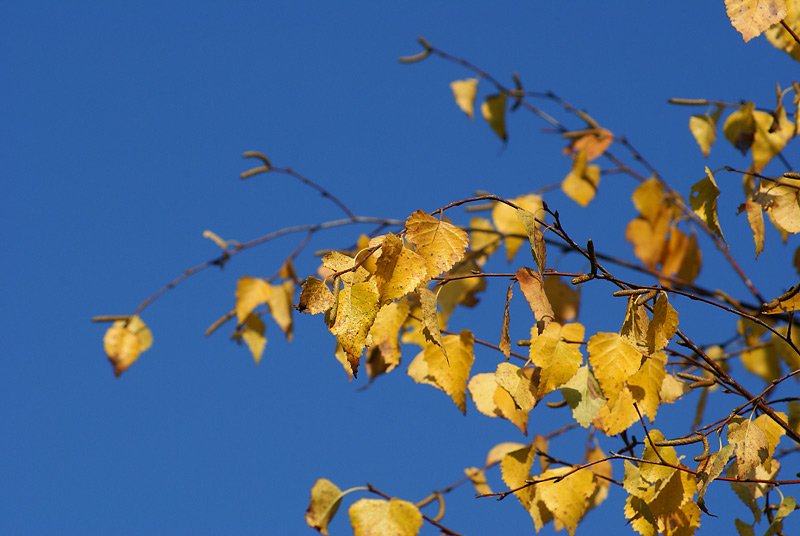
x=664 y=324
x=515 y=468
x=758 y=358
x=703 y=200
x=594 y=140
x=342 y=357
x=519 y=383
x=384 y=338
x=603 y=472
x=505 y=339
x=250 y=293
x=752 y=17
x=672 y=388
x=356 y=311
x=613 y=360
x=430 y=318
x=648 y=198
x=439 y=243
x=483 y=240
x=461 y=291
x=635 y=325
x=535 y=237
x=494 y=111
x=378 y=517
x=751 y=445
x=567 y=498
x=325 y=500
x=582 y=393
x=398 y=270
x=280 y=306
x=772 y=430
x=497 y=452
x=450 y=375
x=482 y=388
x=478 y=479
x=557 y=351
x=509 y=410
x=783 y=304
x=780 y=38
x=618 y=413
x=645 y=385
x=124 y=341
x=653 y=472
x=508 y=223
x=771 y=136
x=316 y=297
x=339 y=262
x=581 y=183
x=704 y=129
x=252 y=332
x=650 y=238
x=755 y=217
x=740 y=128
x=786 y=352
x=565 y=299
x=533 y=288
x=709 y=469
x=464 y=92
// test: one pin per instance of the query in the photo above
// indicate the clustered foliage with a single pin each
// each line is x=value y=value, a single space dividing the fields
x=401 y=288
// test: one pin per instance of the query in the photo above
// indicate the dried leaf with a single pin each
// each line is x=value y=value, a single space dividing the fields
x=535 y=237
x=709 y=469
x=315 y=298
x=532 y=287
x=124 y=341
x=505 y=340
x=703 y=200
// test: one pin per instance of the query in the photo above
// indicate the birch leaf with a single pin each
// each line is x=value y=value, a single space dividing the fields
x=316 y=297
x=645 y=385
x=535 y=237
x=430 y=318
x=250 y=293
x=703 y=199
x=518 y=383
x=378 y=517
x=769 y=141
x=325 y=500
x=704 y=129
x=710 y=469
x=755 y=217
x=664 y=324
x=752 y=17
x=356 y=311
x=398 y=270
x=482 y=388
x=557 y=351
x=613 y=360
x=582 y=393
x=515 y=468
x=508 y=223
x=494 y=111
x=564 y=298
x=280 y=306
x=505 y=339
x=384 y=351
x=740 y=128
x=780 y=38
x=618 y=413
x=582 y=181
x=124 y=341
x=532 y=287
x=566 y=498
x=464 y=92
x=431 y=367
x=750 y=444
x=441 y=244
x=339 y=262
x=253 y=334
x=478 y=479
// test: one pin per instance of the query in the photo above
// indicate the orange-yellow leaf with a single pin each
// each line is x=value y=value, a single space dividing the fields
x=535 y=237
x=482 y=388
x=594 y=140
x=253 y=335
x=566 y=498
x=557 y=351
x=341 y=357
x=509 y=410
x=494 y=111
x=483 y=240
x=653 y=472
x=356 y=311
x=377 y=517
x=250 y=293
x=497 y=452
x=645 y=385
x=753 y=17
x=771 y=136
x=508 y=223
x=755 y=217
x=280 y=306
x=691 y=261
x=772 y=430
x=448 y=374
x=786 y=305
x=325 y=500
x=398 y=270
x=581 y=183
x=339 y=262
x=613 y=360
x=564 y=298
x=703 y=199
x=515 y=468
x=440 y=243
x=464 y=92
x=430 y=318
x=533 y=288
x=649 y=239
x=664 y=324
x=316 y=297
x=478 y=479
x=384 y=338
x=124 y=341
x=634 y=327
x=648 y=198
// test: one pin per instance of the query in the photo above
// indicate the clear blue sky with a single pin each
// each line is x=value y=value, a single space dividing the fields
x=122 y=133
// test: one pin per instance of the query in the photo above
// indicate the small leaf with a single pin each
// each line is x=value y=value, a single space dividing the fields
x=786 y=507
x=755 y=217
x=507 y=222
x=768 y=141
x=450 y=375
x=703 y=199
x=753 y=17
x=740 y=128
x=664 y=324
x=377 y=517
x=704 y=129
x=478 y=479
x=709 y=469
x=494 y=111
x=253 y=335
x=325 y=500
x=250 y=293
x=124 y=341
x=594 y=140
x=582 y=393
x=581 y=183
x=430 y=318
x=464 y=92
x=532 y=287
x=316 y=297
x=535 y=237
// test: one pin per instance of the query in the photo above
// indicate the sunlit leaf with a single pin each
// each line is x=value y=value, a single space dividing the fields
x=645 y=385
x=755 y=217
x=557 y=351
x=672 y=388
x=581 y=183
x=497 y=452
x=356 y=311
x=280 y=306
x=253 y=335
x=124 y=341
x=772 y=134
x=378 y=517
x=508 y=223
x=786 y=507
x=535 y=237
x=384 y=338
x=441 y=244
x=518 y=383
x=664 y=324
x=494 y=111
x=582 y=393
x=325 y=500
x=482 y=388
x=478 y=479
x=618 y=413
x=613 y=360
x=398 y=270
x=451 y=374
x=704 y=129
x=750 y=444
x=703 y=199
x=430 y=318
x=250 y=293
x=509 y=410
x=752 y=17
x=515 y=467
x=533 y=288
x=566 y=498
x=339 y=262
x=464 y=92
x=316 y=297
x=740 y=128
x=709 y=469
x=780 y=38
x=594 y=140
x=483 y=240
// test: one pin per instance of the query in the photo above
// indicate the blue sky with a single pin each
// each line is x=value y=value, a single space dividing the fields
x=123 y=129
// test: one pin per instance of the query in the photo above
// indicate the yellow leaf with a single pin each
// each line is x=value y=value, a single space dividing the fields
x=483 y=240
x=519 y=383
x=460 y=291
x=703 y=199
x=613 y=360
x=124 y=341
x=505 y=339
x=750 y=444
x=508 y=410
x=532 y=287
x=356 y=311
x=772 y=430
x=506 y=220
x=566 y=498
x=594 y=140
x=664 y=324
x=780 y=38
x=464 y=92
x=740 y=128
x=384 y=351
x=377 y=517
x=478 y=479
x=494 y=111
x=709 y=469
x=581 y=183
x=648 y=199
x=515 y=468
x=618 y=414
x=704 y=129
x=755 y=217
x=497 y=452
x=771 y=136
x=398 y=270
x=316 y=297
x=250 y=293
x=784 y=207
x=341 y=357
x=325 y=500
x=786 y=305
x=752 y=17
x=564 y=298
x=583 y=396
x=535 y=237
x=653 y=472
x=758 y=358
x=280 y=306
x=645 y=385
x=692 y=260
x=557 y=352
x=430 y=318
x=672 y=389
x=339 y=262
x=431 y=367
x=603 y=471
x=441 y=244
x=634 y=327
x=253 y=335
x=482 y=388
x=786 y=352
x=649 y=240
